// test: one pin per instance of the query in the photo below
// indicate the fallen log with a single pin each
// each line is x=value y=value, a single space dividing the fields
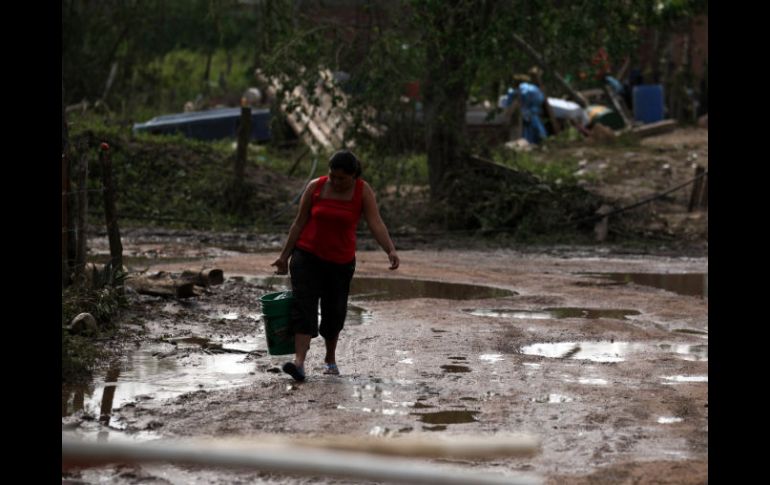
x=161 y=284
x=205 y=277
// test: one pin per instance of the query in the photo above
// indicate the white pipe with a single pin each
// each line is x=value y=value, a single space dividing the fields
x=294 y=460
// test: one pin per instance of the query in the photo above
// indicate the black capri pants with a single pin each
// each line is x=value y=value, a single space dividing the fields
x=312 y=279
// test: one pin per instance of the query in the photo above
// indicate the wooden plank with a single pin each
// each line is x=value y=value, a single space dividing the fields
x=657 y=128
x=619 y=106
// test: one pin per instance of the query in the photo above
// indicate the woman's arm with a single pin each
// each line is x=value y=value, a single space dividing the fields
x=377 y=227
x=303 y=215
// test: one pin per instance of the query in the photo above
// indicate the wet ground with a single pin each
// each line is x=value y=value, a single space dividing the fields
x=604 y=356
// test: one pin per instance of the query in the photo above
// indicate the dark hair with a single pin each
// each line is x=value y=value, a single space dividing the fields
x=345 y=161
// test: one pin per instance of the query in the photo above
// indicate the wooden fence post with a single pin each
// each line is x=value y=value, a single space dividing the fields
x=82 y=213
x=65 y=276
x=695 y=196
x=244 y=134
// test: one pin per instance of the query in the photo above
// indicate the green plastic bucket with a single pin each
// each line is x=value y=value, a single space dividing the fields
x=275 y=310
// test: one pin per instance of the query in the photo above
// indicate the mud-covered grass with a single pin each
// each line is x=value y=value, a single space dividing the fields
x=177 y=182
x=102 y=296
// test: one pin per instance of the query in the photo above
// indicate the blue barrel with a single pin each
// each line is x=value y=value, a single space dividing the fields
x=648 y=103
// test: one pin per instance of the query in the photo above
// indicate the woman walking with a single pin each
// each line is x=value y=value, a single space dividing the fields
x=322 y=247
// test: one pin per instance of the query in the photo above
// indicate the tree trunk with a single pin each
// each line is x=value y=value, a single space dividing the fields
x=445 y=97
x=110 y=214
x=450 y=73
x=207 y=72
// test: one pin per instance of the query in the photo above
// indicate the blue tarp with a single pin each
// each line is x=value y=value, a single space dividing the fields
x=213 y=124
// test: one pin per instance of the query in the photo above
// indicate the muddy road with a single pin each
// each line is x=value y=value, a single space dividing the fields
x=602 y=355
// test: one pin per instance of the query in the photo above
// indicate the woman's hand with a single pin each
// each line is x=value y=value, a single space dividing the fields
x=394 y=259
x=281 y=265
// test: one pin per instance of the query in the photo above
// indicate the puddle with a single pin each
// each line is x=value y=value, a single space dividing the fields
x=419 y=405
x=400 y=289
x=613 y=351
x=455 y=368
x=143 y=376
x=669 y=420
x=554 y=313
x=448 y=417
x=686 y=378
x=690 y=284
x=357 y=316
x=434 y=428
x=552 y=399
x=593 y=381
x=491 y=357
x=691 y=331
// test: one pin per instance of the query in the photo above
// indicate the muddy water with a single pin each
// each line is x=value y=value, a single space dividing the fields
x=615 y=351
x=400 y=289
x=690 y=284
x=554 y=313
x=185 y=364
x=156 y=372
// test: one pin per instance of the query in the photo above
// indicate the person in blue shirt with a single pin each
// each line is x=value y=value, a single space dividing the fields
x=531 y=100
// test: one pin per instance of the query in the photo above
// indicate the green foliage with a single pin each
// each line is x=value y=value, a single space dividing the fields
x=171 y=179
x=79 y=357
x=553 y=171
x=101 y=295
x=135 y=37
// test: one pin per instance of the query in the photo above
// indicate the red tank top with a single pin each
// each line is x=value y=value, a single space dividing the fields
x=330 y=233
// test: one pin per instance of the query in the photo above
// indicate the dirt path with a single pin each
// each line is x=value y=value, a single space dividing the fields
x=616 y=396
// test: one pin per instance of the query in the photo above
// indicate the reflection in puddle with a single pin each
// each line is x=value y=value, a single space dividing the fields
x=145 y=376
x=448 y=417
x=612 y=351
x=687 y=378
x=357 y=315
x=401 y=289
x=593 y=381
x=669 y=420
x=552 y=399
x=690 y=284
x=492 y=358
x=554 y=313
